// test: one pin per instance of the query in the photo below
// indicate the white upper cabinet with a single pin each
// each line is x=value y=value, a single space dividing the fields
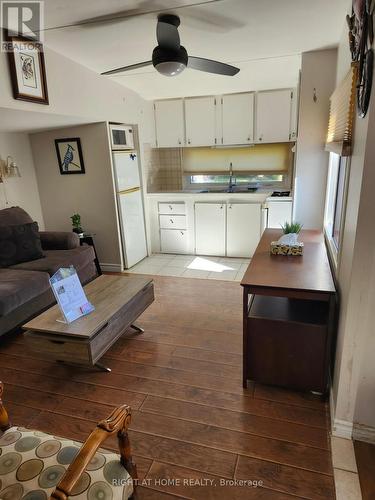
x=273 y=116
x=169 y=121
x=243 y=118
x=237 y=118
x=200 y=117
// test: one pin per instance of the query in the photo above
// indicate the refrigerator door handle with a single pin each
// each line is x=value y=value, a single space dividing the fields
x=131 y=190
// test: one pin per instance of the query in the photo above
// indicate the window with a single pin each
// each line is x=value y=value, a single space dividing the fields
x=335 y=201
x=238 y=179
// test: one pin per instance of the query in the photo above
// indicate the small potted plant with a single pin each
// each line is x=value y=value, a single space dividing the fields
x=288 y=244
x=76 y=223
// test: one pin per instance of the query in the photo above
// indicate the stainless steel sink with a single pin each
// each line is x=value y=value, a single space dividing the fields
x=231 y=191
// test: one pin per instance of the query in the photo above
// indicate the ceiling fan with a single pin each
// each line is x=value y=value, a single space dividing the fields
x=170 y=58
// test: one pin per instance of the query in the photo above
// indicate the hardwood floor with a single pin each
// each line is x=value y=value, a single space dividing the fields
x=195 y=432
x=365 y=457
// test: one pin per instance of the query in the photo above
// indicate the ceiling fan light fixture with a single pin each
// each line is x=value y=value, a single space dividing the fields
x=170 y=68
x=169 y=63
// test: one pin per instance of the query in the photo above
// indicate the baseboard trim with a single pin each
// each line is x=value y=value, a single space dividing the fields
x=107 y=267
x=364 y=433
x=342 y=428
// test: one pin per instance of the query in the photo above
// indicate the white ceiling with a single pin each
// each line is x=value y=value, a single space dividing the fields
x=264 y=38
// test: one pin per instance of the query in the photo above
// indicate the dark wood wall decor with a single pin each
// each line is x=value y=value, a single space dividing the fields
x=361 y=38
x=27 y=70
x=288 y=315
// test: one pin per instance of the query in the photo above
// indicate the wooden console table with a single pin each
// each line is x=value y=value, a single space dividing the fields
x=289 y=308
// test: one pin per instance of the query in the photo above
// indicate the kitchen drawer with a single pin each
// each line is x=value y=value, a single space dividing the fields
x=172 y=208
x=173 y=241
x=172 y=221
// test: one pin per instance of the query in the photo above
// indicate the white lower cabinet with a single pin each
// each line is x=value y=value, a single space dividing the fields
x=173 y=241
x=279 y=212
x=210 y=225
x=243 y=229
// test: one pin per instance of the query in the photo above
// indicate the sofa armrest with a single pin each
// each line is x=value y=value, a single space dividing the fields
x=117 y=423
x=58 y=240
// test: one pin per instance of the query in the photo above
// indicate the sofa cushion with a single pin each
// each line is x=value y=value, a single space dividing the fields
x=14 y=215
x=32 y=464
x=54 y=259
x=19 y=243
x=59 y=240
x=18 y=287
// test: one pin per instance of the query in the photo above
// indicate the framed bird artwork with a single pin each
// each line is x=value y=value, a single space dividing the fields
x=69 y=156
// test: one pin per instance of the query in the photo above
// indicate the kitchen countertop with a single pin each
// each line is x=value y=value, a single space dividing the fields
x=259 y=195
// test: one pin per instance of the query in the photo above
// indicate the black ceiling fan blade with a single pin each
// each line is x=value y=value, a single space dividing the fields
x=211 y=66
x=167 y=34
x=127 y=68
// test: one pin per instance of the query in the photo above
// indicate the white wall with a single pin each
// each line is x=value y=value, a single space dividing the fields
x=318 y=71
x=354 y=377
x=20 y=191
x=90 y=194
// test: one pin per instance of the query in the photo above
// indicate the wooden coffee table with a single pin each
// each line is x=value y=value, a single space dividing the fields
x=118 y=302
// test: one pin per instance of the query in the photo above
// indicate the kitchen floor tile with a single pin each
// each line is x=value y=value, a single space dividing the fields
x=155 y=259
x=224 y=275
x=347 y=485
x=195 y=273
x=239 y=275
x=343 y=456
x=171 y=271
x=208 y=264
x=183 y=256
x=162 y=256
x=146 y=269
x=181 y=263
x=240 y=260
x=232 y=264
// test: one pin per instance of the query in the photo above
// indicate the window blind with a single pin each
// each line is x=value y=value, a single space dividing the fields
x=261 y=158
x=341 y=115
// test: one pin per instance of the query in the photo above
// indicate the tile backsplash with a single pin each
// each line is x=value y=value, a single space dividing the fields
x=163 y=167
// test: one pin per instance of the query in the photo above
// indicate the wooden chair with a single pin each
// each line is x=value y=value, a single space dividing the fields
x=117 y=423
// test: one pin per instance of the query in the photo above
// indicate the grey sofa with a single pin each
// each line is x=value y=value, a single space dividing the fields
x=24 y=287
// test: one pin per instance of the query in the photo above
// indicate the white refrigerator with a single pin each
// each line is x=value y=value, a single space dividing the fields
x=130 y=207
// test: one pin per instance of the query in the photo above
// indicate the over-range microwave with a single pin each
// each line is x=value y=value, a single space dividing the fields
x=121 y=137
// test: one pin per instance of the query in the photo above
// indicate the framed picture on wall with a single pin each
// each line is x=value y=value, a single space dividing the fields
x=27 y=70
x=69 y=156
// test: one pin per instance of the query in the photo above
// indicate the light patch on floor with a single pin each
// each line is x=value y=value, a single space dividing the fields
x=193 y=266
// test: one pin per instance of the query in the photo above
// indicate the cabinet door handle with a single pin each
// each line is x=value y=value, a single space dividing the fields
x=171 y=221
x=170 y=207
x=188 y=141
x=230 y=206
x=249 y=138
x=182 y=233
x=179 y=141
x=221 y=207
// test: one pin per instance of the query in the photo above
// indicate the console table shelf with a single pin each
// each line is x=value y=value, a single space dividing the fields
x=289 y=306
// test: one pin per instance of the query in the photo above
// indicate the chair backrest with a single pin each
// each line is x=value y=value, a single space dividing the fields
x=13 y=216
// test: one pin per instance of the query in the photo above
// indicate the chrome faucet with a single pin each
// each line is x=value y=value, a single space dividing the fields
x=232 y=183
